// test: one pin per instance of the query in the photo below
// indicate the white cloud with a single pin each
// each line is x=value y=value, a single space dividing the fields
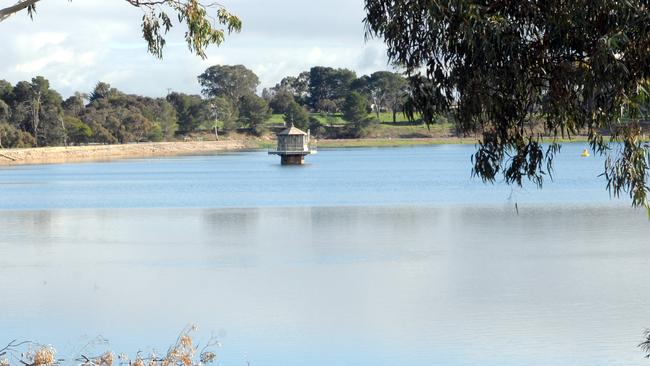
x=314 y=55
x=87 y=58
x=75 y=44
x=37 y=65
x=41 y=39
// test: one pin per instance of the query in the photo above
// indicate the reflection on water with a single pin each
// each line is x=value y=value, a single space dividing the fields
x=340 y=285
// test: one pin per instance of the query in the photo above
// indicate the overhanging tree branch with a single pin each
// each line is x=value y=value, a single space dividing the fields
x=515 y=71
x=206 y=24
x=19 y=6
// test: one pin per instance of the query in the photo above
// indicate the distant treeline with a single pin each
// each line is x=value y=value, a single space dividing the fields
x=33 y=114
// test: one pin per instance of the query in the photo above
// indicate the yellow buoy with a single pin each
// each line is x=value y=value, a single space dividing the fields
x=585 y=153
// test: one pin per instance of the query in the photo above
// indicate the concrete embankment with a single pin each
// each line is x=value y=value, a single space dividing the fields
x=46 y=155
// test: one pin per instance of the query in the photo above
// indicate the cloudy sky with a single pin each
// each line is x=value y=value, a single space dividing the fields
x=75 y=44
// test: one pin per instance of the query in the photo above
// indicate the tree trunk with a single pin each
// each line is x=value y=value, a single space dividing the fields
x=36 y=110
x=394 y=116
x=65 y=132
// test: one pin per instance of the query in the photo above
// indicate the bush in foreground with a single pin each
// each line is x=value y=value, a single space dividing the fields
x=184 y=352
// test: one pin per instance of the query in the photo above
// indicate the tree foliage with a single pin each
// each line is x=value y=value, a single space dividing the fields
x=506 y=67
x=36 y=109
x=5 y=111
x=296 y=115
x=11 y=136
x=355 y=107
x=78 y=132
x=298 y=86
x=280 y=101
x=34 y=114
x=326 y=83
x=228 y=81
x=205 y=23
x=253 y=112
x=355 y=111
x=224 y=112
x=387 y=91
x=191 y=111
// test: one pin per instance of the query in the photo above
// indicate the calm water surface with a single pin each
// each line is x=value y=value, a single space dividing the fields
x=362 y=257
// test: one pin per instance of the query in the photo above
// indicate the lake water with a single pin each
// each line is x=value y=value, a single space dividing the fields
x=362 y=257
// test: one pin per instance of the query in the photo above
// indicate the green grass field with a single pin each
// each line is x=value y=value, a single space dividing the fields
x=276 y=119
x=389 y=142
x=387 y=133
x=384 y=117
x=402 y=128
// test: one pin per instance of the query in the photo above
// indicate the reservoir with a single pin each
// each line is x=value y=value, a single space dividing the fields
x=369 y=256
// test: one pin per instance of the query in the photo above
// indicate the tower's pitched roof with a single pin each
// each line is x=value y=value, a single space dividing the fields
x=292 y=131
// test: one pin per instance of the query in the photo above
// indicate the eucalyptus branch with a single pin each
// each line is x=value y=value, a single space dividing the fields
x=19 y=6
x=206 y=23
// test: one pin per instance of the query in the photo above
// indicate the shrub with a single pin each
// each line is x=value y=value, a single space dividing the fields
x=13 y=137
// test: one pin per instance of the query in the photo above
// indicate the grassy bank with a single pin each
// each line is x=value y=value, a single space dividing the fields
x=390 y=142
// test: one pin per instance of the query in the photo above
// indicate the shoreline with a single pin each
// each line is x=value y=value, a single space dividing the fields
x=89 y=153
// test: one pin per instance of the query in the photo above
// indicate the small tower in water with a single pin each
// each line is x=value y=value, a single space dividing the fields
x=293 y=145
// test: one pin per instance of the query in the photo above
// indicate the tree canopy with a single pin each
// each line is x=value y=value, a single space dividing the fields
x=253 y=111
x=280 y=101
x=513 y=71
x=228 y=81
x=326 y=83
x=355 y=107
x=33 y=114
x=202 y=21
x=296 y=115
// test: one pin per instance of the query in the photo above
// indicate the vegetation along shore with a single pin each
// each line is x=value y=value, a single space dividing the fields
x=238 y=142
x=339 y=108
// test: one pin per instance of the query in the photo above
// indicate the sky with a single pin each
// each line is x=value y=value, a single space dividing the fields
x=77 y=43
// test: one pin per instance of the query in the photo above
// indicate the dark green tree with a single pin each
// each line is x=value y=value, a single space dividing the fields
x=37 y=109
x=361 y=85
x=387 y=90
x=191 y=111
x=78 y=132
x=253 y=112
x=52 y=131
x=224 y=114
x=5 y=90
x=74 y=105
x=297 y=115
x=163 y=114
x=503 y=67
x=102 y=91
x=140 y=128
x=281 y=101
x=11 y=136
x=329 y=83
x=114 y=116
x=296 y=86
x=5 y=111
x=230 y=82
x=355 y=107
